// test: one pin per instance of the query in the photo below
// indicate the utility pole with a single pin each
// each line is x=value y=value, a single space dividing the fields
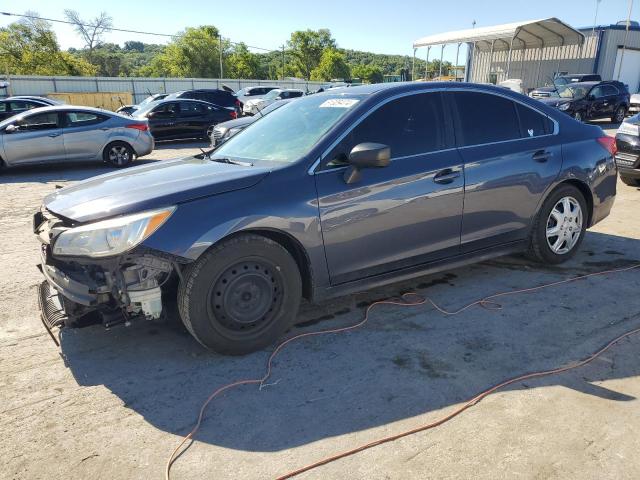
x=626 y=36
x=282 y=62
x=221 y=73
x=595 y=18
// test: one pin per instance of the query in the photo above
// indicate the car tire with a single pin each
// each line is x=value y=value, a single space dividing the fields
x=618 y=116
x=578 y=116
x=118 y=154
x=241 y=295
x=209 y=132
x=632 y=182
x=559 y=227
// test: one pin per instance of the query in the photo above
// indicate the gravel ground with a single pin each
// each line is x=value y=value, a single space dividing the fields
x=114 y=403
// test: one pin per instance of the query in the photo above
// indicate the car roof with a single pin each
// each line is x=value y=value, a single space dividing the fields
x=30 y=97
x=177 y=99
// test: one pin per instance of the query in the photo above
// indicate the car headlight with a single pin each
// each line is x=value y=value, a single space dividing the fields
x=232 y=131
x=564 y=106
x=110 y=237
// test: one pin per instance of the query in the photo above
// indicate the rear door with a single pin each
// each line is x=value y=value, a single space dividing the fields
x=84 y=134
x=38 y=139
x=191 y=121
x=511 y=155
x=405 y=214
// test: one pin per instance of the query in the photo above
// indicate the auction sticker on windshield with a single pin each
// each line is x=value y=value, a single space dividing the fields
x=338 y=103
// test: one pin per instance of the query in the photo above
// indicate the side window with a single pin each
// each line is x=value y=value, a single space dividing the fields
x=597 y=92
x=40 y=121
x=3 y=107
x=532 y=123
x=475 y=128
x=409 y=125
x=166 y=110
x=295 y=94
x=80 y=119
x=610 y=90
x=19 y=106
x=190 y=109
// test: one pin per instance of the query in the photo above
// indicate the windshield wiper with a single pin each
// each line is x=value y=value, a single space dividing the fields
x=232 y=162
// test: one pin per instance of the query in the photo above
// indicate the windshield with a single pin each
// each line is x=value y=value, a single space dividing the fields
x=288 y=134
x=573 y=91
x=148 y=100
x=560 y=81
x=272 y=94
x=144 y=109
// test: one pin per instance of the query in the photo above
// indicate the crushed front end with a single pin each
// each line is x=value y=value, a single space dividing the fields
x=111 y=289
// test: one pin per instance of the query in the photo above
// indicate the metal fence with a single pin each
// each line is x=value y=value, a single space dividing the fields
x=139 y=87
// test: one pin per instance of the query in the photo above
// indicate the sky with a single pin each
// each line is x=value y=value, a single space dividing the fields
x=380 y=26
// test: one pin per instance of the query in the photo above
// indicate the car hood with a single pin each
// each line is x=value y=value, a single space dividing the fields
x=238 y=122
x=150 y=186
x=554 y=101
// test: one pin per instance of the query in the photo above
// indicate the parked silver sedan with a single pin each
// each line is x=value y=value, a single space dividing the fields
x=65 y=133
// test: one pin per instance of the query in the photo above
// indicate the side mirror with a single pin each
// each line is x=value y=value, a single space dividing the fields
x=151 y=114
x=278 y=98
x=11 y=128
x=366 y=155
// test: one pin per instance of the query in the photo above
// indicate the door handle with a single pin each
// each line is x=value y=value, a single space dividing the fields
x=541 y=156
x=54 y=135
x=448 y=175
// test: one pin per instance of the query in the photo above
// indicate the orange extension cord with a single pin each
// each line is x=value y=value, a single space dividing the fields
x=486 y=302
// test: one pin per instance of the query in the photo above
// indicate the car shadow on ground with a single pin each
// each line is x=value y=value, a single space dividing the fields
x=406 y=361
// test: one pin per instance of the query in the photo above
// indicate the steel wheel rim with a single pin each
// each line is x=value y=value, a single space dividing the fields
x=577 y=116
x=564 y=225
x=119 y=155
x=245 y=300
x=619 y=115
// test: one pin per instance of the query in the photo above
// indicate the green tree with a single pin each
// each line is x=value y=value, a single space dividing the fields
x=332 y=66
x=367 y=73
x=30 y=47
x=194 y=53
x=242 y=63
x=306 y=49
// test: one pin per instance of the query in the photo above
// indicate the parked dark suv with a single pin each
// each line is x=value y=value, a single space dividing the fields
x=592 y=100
x=330 y=194
x=222 y=98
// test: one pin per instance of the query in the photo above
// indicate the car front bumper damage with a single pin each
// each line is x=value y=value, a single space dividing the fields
x=76 y=291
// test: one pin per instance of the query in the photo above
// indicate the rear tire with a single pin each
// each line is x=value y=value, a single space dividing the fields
x=632 y=182
x=118 y=154
x=559 y=227
x=241 y=295
x=618 y=116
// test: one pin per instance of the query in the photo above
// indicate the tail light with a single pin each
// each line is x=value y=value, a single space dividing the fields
x=238 y=104
x=143 y=127
x=609 y=144
x=233 y=114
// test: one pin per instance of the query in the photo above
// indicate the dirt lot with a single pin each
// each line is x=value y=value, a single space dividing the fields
x=114 y=403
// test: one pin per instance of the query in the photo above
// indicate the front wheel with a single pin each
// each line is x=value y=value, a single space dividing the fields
x=619 y=114
x=559 y=226
x=241 y=295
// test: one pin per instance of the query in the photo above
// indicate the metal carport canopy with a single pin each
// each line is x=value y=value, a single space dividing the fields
x=548 y=32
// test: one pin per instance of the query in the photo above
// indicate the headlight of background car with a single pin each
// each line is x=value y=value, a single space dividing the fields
x=110 y=237
x=232 y=131
x=564 y=106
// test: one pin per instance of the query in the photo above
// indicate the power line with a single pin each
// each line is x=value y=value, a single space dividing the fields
x=55 y=20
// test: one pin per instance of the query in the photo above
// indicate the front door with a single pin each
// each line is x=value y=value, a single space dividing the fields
x=38 y=139
x=162 y=121
x=401 y=215
x=509 y=163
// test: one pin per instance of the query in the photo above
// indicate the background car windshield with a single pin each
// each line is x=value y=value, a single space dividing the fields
x=272 y=94
x=273 y=138
x=147 y=101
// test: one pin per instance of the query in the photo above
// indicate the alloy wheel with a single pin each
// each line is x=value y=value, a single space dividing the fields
x=564 y=225
x=619 y=115
x=119 y=155
x=577 y=116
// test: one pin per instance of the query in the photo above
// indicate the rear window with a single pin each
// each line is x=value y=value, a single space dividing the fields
x=533 y=123
x=485 y=118
x=78 y=119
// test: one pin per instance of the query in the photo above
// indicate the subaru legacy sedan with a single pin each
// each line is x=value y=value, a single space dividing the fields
x=331 y=194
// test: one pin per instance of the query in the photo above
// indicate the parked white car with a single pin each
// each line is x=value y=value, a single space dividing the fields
x=251 y=107
x=253 y=93
x=634 y=104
